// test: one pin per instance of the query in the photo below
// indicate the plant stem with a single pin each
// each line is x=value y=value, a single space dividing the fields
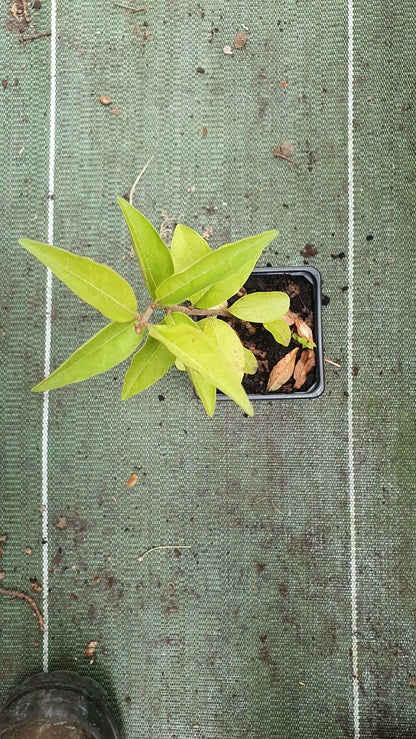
x=197 y=311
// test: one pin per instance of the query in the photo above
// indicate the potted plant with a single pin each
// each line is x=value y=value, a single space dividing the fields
x=201 y=309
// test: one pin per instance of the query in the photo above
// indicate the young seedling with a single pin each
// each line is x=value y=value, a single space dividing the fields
x=186 y=282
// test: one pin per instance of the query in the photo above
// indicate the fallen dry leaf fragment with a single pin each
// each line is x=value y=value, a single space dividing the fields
x=303 y=329
x=282 y=371
x=285 y=150
x=89 y=650
x=303 y=367
x=240 y=40
x=132 y=480
x=105 y=100
x=61 y=522
x=289 y=317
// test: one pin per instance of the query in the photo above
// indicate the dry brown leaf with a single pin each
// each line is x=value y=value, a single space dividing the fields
x=285 y=150
x=282 y=371
x=132 y=480
x=289 y=317
x=303 y=329
x=305 y=364
x=61 y=522
x=89 y=650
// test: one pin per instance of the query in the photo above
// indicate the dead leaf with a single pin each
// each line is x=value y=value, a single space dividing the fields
x=132 y=480
x=285 y=149
x=28 y=550
x=303 y=329
x=240 y=40
x=89 y=650
x=3 y=537
x=289 y=317
x=61 y=522
x=282 y=371
x=306 y=363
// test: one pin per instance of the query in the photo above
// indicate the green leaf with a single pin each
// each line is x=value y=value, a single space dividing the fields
x=196 y=351
x=186 y=248
x=95 y=283
x=211 y=269
x=215 y=295
x=152 y=361
x=260 y=307
x=221 y=333
x=152 y=253
x=250 y=363
x=109 y=347
x=148 y=365
x=206 y=391
x=280 y=330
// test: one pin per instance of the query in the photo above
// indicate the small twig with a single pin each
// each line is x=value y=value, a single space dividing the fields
x=169 y=546
x=137 y=179
x=197 y=311
x=329 y=361
x=22 y=39
x=282 y=156
x=22 y=596
x=128 y=7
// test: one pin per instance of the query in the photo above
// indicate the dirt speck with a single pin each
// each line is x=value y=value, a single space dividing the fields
x=308 y=251
x=240 y=40
x=105 y=100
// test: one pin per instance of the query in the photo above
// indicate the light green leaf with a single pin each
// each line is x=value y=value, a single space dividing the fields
x=221 y=333
x=260 y=307
x=206 y=391
x=152 y=253
x=95 y=283
x=250 y=363
x=153 y=360
x=148 y=365
x=211 y=269
x=215 y=295
x=196 y=351
x=109 y=347
x=186 y=248
x=180 y=365
x=280 y=330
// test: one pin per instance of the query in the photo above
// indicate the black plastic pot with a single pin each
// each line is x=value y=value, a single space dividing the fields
x=313 y=277
x=59 y=704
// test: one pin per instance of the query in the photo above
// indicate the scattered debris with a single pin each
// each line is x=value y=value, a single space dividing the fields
x=240 y=40
x=167 y=546
x=2 y=575
x=28 y=599
x=283 y=84
x=200 y=70
x=133 y=187
x=89 y=651
x=105 y=100
x=61 y=522
x=129 y=7
x=18 y=8
x=329 y=361
x=35 y=585
x=131 y=482
x=228 y=50
x=28 y=550
x=285 y=150
x=207 y=232
x=3 y=537
x=204 y=131
x=22 y=39
x=167 y=226
x=192 y=188
x=341 y=255
x=308 y=251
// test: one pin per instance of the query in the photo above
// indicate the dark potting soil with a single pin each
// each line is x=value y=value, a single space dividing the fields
x=261 y=342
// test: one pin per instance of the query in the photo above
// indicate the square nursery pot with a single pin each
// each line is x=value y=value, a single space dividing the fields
x=303 y=285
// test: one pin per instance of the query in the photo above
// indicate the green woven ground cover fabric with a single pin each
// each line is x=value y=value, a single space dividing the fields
x=248 y=633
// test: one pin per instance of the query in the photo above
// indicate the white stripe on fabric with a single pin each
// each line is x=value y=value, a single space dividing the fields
x=48 y=335
x=350 y=333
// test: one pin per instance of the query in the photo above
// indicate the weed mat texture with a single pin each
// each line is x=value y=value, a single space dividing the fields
x=291 y=612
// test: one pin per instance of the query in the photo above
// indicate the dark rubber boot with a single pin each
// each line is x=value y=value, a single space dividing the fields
x=58 y=705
